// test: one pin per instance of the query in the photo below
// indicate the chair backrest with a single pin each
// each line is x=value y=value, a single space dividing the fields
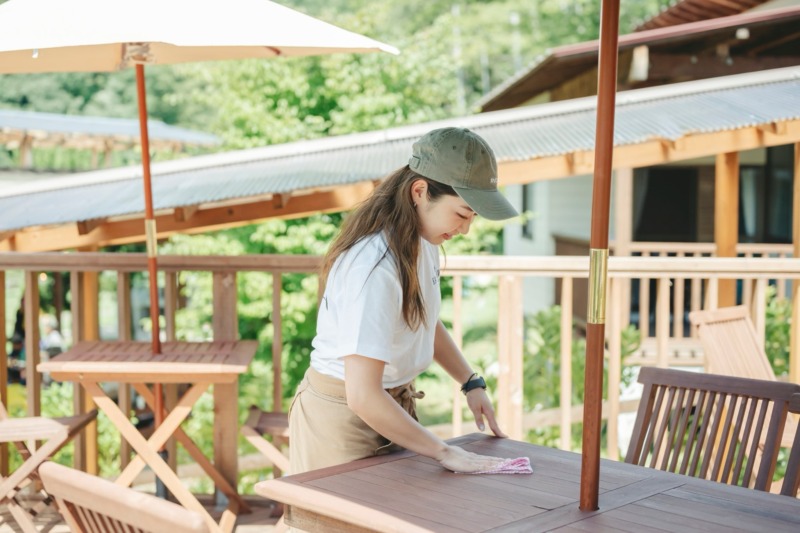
x=722 y=428
x=791 y=480
x=730 y=343
x=92 y=504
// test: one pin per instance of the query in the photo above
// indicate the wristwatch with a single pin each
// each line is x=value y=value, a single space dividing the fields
x=473 y=382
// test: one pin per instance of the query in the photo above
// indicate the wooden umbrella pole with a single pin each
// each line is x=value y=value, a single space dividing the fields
x=598 y=259
x=149 y=218
x=152 y=261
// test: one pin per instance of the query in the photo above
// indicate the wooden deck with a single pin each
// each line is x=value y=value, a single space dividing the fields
x=408 y=493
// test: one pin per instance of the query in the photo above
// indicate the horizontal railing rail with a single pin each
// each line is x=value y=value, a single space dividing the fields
x=509 y=271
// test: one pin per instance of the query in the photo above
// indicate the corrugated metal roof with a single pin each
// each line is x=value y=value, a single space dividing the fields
x=669 y=112
x=88 y=126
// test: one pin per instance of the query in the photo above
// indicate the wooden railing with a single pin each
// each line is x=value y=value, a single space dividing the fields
x=509 y=271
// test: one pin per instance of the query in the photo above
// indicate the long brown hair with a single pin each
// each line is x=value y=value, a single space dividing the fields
x=390 y=209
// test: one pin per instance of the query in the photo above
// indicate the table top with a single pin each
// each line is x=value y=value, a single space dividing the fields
x=405 y=492
x=134 y=361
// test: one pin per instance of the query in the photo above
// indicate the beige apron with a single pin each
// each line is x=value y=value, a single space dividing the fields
x=323 y=431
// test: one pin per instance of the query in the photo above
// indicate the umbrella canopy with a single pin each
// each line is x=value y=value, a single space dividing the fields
x=109 y=35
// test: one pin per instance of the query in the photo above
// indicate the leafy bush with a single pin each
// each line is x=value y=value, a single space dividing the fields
x=778 y=326
x=542 y=367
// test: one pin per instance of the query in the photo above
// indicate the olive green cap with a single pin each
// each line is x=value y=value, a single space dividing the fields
x=461 y=159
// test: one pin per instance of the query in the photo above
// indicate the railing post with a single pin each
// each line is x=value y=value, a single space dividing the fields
x=3 y=368
x=171 y=389
x=662 y=322
x=124 y=397
x=32 y=377
x=277 y=343
x=614 y=333
x=509 y=357
x=225 y=323
x=457 y=333
x=565 y=368
x=78 y=394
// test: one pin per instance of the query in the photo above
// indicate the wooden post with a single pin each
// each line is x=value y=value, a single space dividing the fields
x=726 y=218
x=614 y=332
x=3 y=369
x=565 y=372
x=33 y=378
x=794 y=343
x=91 y=331
x=78 y=394
x=277 y=343
x=623 y=232
x=225 y=325
x=171 y=389
x=124 y=397
x=457 y=333
x=504 y=354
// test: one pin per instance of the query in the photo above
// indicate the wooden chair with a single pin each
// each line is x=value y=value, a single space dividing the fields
x=90 y=504
x=710 y=426
x=262 y=424
x=732 y=348
x=55 y=433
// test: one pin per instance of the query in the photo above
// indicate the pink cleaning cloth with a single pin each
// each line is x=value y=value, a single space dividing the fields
x=520 y=465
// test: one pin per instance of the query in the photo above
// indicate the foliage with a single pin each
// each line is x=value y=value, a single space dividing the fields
x=542 y=367
x=778 y=326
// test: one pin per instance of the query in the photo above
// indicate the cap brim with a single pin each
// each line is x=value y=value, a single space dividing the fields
x=491 y=205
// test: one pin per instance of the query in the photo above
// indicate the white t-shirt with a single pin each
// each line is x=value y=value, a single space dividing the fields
x=361 y=313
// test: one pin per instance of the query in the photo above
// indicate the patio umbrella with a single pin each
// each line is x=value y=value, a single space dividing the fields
x=110 y=35
x=598 y=258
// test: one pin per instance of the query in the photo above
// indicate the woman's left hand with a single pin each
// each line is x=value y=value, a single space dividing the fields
x=481 y=407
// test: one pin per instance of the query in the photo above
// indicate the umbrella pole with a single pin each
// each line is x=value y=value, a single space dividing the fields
x=598 y=259
x=149 y=218
x=152 y=262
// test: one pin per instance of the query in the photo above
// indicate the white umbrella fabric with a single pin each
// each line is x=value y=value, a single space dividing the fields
x=39 y=36
x=108 y=35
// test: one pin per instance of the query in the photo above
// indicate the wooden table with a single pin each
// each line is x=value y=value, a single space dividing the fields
x=408 y=493
x=198 y=364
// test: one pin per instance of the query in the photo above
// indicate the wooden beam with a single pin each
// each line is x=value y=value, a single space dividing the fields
x=185 y=213
x=726 y=218
x=85 y=227
x=681 y=67
x=650 y=153
x=215 y=218
x=279 y=200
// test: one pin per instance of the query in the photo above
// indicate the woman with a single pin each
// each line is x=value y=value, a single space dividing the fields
x=378 y=326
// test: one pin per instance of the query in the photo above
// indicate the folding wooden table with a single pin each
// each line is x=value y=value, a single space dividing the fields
x=199 y=364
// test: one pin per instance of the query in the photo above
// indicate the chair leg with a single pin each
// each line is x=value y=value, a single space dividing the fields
x=24 y=520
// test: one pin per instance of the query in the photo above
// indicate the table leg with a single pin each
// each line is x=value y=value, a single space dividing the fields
x=208 y=467
x=150 y=455
x=170 y=424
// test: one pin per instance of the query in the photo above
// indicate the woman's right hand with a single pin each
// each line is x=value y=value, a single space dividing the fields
x=460 y=460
